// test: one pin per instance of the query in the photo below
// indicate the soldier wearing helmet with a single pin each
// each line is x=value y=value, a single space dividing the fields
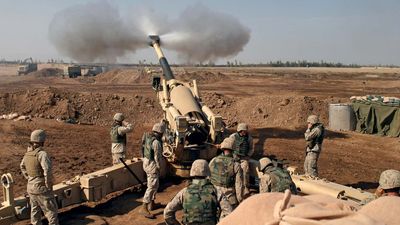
x=36 y=168
x=227 y=177
x=274 y=178
x=243 y=150
x=118 y=133
x=198 y=201
x=314 y=136
x=151 y=151
x=389 y=185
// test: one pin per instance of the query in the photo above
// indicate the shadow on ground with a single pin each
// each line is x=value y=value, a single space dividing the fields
x=263 y=134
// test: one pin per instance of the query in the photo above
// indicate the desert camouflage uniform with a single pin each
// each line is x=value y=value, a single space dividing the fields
x=243 y=155
x=276 y=179
x=118 y=150
x=152 y=169
x=229 y=196
x=315 y=136
x=178 y=203
x=40 y=186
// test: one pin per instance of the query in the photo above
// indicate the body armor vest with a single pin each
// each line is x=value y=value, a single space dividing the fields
x=281 y=180
x=148 y=151
x=223 y=171
x=32 y=164
x=319 y=139
x=200 y=203
x=115 y=137
x=241 y=145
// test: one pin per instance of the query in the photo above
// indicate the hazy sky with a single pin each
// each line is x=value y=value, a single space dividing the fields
x=348 y=31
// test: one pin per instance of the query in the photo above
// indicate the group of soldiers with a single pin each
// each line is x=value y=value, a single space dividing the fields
x=215 y=189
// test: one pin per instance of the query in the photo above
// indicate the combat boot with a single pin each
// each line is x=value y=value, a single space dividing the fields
x=153 y=206
x=145 y=211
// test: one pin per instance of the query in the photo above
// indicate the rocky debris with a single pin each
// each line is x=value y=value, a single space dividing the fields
x=16 y=117
x=82 y=108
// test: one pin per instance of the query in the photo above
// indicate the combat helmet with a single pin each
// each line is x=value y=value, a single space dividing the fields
x=158 y=127
x=264 y=162
x=38 y=136
x=242 y=126
x=313 y=119
x=119 y=117
x=227 y=143
x=200 y=168
x=389 y=179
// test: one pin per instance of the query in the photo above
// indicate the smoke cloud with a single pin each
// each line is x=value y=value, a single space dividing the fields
x=200 y=34
x=96 y=32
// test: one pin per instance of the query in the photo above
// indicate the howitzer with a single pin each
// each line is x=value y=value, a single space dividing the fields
x=190 y=124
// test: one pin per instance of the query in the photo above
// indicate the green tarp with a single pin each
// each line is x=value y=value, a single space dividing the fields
x=377 y=118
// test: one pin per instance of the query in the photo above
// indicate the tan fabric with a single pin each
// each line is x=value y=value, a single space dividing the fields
x=311 y=164
x=45 y=203
x=385 y=209
x=287 y=209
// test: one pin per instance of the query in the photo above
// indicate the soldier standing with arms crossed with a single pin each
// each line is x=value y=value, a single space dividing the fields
x=36 y=168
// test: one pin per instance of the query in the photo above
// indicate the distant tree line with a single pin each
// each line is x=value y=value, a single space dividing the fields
x=299 y=63
x=233 y=63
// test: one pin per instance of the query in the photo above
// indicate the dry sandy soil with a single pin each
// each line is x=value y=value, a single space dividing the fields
x=274 y=101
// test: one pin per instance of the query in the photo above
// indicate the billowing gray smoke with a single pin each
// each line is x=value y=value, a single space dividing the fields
x=200 y=34
x=96 y=32
x=93 y=32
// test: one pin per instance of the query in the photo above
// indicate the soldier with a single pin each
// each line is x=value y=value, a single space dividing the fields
x=198 y=200
x=118 y=133
x=274 y=178
x=36 y=168
x=227 y=177
x=243 y=150
x=314 y=136
x=152 y=149
x=389 y=185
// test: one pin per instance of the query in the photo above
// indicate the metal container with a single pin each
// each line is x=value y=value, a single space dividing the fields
x=341 y=117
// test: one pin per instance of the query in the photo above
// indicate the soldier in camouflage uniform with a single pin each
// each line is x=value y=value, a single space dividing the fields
x=314 y=136
x=389 y=185
x=243 y=150
x=118 y=133
x=36 y=168
x=198 y=201
x=152 y=150
x=274 y=178
x=227 y=177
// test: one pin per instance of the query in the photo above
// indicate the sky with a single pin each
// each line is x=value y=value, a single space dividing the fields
x=349 y=31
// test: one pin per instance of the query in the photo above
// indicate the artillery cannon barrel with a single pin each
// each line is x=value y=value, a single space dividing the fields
x=155 y=43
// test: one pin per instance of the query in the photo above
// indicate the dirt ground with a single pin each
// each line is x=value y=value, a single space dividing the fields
x=275 y=102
